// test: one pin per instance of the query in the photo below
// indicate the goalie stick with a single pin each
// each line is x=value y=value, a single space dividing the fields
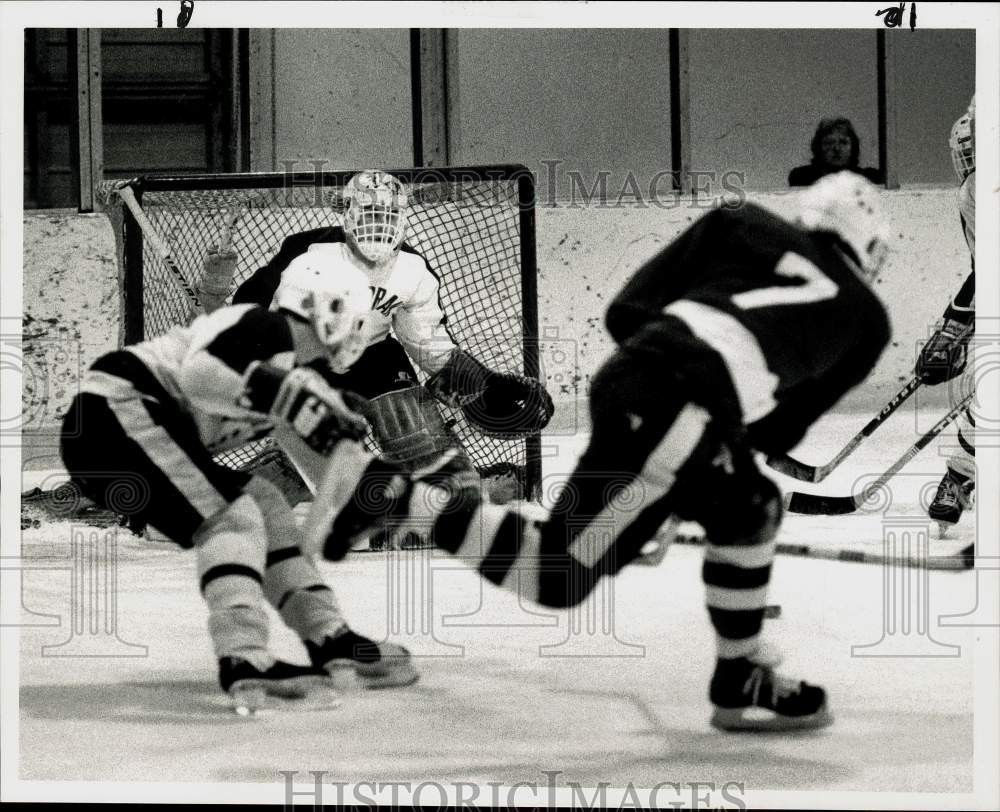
x=817 y=473
x=159 y=246
x=164 y=251
x=816 y=504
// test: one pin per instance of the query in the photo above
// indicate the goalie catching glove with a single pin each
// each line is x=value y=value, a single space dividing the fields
x=306 y=403
x=498 y=404
x=944 y=355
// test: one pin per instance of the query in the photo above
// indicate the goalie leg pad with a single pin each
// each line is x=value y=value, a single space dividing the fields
x=139 y=455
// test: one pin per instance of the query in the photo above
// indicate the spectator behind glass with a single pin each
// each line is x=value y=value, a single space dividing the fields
x=835 y=147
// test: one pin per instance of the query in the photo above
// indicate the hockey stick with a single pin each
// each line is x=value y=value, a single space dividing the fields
x=962 y=560
x=159 y=246
x=815 y=504
x=817 y=473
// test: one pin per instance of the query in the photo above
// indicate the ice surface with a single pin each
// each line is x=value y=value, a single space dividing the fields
x=615 y=691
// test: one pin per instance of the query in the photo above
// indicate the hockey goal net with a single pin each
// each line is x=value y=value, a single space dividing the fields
x=475 y=225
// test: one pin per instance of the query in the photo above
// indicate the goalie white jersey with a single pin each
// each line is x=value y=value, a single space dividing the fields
x=203 y=367
x=404 y=295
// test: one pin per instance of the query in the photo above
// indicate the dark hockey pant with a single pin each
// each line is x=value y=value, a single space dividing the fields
x=652 y=454
x=130 y=448
x=138 y=454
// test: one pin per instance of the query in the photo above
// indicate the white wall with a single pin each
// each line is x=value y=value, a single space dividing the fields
x=584 y=256
x=534 y=95
x=342 y=96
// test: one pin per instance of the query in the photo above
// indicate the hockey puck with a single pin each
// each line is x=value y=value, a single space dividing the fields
x=772 y=610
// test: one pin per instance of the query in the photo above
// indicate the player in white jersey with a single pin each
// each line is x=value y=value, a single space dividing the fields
x=147 y=422
x=406 y=327
x=945 y=354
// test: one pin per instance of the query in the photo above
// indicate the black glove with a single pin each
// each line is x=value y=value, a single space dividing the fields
x=321 y=415
x=944 y=356
x=510 y=406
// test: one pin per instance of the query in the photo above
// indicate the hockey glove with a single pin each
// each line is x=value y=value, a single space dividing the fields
x=510 y=406
x=498 y=404
x=217 y=278
x=944 y=356
x=302 y=400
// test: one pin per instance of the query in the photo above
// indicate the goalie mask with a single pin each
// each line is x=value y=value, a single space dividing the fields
x=376 y=215
x=962 y=143
x=334 y=298
x=849 y=206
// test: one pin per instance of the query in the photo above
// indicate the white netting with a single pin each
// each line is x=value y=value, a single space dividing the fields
x=469 y=229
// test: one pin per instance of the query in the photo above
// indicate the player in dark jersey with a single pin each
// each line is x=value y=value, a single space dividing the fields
x=144 y=429
x=944 y=356
x=406 y=328
x=736 y=337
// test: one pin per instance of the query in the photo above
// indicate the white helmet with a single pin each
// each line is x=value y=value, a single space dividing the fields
x=848 y=205
x=333 y=297
x=376 y=214
x=963 y=144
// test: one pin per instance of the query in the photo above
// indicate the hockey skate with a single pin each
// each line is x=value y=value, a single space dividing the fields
x=283 y=686
x=348 y=657
x=953 y=497
x=749 y=696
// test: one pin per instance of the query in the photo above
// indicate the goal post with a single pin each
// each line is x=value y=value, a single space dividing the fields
x=475 y=225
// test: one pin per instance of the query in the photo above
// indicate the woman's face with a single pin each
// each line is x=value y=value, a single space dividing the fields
x=836 y=148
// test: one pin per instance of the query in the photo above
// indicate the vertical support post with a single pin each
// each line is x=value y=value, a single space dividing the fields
x=885 y=63
x=529 y=316
x=263 y=141
x=133 y=318
x=430 y=85
x=90 y=142
x=680 y=111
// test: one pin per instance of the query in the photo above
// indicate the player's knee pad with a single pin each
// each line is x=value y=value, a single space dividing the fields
x=230 y=547
x=287 y=570
x=231 y=550
x=409 y=427
x=751 y=518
